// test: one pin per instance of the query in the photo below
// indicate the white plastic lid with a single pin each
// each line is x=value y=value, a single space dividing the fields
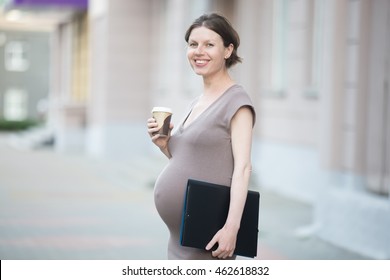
x=162 y=109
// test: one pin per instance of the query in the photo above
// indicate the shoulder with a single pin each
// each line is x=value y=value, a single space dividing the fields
x=237 y=89
x=238 y=94
x=237 y=98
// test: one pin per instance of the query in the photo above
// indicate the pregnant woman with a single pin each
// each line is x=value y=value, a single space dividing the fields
x=212 y=143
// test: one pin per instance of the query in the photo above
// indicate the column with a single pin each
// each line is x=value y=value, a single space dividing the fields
x=332 y=83
x=121 y=63
x=378 y=105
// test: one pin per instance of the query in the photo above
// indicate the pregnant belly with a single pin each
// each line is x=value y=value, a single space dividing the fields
x=169 y=193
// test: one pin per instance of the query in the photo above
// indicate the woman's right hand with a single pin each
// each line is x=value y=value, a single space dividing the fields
x=159 y=140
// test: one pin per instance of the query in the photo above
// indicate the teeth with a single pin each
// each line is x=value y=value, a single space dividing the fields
x=201 y=61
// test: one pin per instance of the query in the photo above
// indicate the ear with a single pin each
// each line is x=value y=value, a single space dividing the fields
x=228 y=51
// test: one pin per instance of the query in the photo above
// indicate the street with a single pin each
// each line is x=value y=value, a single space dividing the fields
x=63 y=206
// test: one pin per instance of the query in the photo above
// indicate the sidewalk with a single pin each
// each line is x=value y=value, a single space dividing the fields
x=59 y=206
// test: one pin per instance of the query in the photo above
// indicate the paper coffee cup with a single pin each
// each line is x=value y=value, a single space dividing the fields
x=162 y=115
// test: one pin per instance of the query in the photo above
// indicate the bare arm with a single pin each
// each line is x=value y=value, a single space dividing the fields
x=241 y=134
x=241 y=144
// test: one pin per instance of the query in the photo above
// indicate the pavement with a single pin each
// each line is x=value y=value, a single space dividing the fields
x=56 y=206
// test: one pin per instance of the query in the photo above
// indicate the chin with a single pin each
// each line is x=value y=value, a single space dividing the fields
x=199 y=72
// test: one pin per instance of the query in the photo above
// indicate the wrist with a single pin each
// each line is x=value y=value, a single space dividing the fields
x=234 y=227
x=165 y=151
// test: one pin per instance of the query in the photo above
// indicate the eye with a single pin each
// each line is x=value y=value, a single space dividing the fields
x=210 y=45
x=192 y=45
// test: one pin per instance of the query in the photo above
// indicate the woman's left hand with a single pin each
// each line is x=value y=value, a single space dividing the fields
x=226 y=241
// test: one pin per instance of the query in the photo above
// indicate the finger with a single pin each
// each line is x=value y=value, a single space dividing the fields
x=228 y=254
x=224 y=255
x=211 y=244
x=219 y=254
x=152 y=125
x=155 y=137
x=151 y=120
x=152 y=131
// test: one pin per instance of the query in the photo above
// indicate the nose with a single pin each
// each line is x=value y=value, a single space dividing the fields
x=199 y=50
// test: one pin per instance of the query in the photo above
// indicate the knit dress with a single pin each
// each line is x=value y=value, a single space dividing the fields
x=201 y=150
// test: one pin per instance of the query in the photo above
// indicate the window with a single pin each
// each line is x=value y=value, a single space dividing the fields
x=316 y=14
x=16 y=58
x=15 y=104
x=280 y=21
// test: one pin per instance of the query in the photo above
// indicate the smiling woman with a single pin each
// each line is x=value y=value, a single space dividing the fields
x=223 y=28
x=205 y=48
x=213 y=142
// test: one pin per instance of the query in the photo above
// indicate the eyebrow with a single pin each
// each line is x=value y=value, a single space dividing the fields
x=206 y=41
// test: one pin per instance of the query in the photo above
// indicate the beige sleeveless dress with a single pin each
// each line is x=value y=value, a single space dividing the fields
x=202 y=151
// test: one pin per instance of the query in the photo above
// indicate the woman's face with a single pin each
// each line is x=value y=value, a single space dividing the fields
x=206 y=52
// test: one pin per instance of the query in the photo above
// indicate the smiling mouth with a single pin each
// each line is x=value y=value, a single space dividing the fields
x=200 y=61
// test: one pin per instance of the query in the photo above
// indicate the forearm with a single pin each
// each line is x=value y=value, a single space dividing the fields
x=238 y=194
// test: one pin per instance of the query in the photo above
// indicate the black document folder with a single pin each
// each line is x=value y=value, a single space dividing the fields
x=205 y=211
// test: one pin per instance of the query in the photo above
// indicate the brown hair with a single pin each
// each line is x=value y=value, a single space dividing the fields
x=223 y=28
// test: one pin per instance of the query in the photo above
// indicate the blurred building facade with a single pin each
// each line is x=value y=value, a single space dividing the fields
x=24 y=71
x=317 y=71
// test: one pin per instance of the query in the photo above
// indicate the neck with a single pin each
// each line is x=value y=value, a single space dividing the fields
x=217 y=85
